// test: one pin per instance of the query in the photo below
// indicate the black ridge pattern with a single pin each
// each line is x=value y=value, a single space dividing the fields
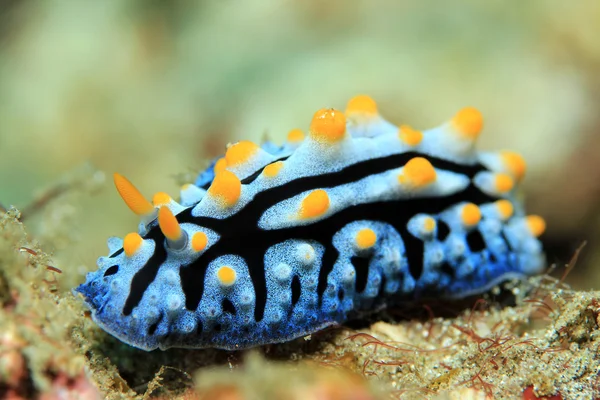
x=241 y=235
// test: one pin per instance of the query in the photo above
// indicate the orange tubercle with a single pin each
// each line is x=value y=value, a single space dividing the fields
x=225 y=188
x=470 y=214
x=515 y=163
x=272 y=170
x=240 y=152
x=199 y=241
x=409 y=135
x=131 y=196
x=505 y=208
x=131 y=244
x=168 y=224
x=295 y=136
x=328 y=126
x=429 y=224
x=418 y=172
x=161 y=199
x=361 y=105
x=468 y=122
x=315 y=204
x=365 y=238
x=220 y=165
x=504 y=183
x=226 y=275
x=536 y=224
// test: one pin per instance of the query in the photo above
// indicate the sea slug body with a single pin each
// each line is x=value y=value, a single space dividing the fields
x=272 y=243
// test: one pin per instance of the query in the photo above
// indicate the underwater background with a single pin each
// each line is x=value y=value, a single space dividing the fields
x=155 y=89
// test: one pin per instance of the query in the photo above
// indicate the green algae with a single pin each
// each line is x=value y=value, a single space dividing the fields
x=35 y=320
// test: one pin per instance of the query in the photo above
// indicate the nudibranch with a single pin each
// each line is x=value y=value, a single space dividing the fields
x=272 y=243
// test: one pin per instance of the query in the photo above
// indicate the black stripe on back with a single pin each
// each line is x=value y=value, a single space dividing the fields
x=240 y=233
x=145 y=276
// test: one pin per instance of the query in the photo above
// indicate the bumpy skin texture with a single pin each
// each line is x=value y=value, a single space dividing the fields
x=356 y=216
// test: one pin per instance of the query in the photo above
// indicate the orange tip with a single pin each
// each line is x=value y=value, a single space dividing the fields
x=220 y=165
x=295 y=136
x=428 y=224
x=240 y=152
x=132 y=243
x=470 y=214
x=161 y=199
x=199 y=241
x=226 y=275
x=505 y=208
x=365 y=238
x=515 y=163
x=417 y=172
x=131 y=196
x=361 y=105
x=504 y=183
x=272 y=170
x=536 y=224
x=328 y=126
x=315 y=204
x=168 y=224
x=468 y=122
x=409 y=135
x=225 y=188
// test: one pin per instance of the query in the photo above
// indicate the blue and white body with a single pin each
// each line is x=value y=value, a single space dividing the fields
x=274 y=243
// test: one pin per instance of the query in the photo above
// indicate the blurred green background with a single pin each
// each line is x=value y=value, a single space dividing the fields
x=153 y=89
